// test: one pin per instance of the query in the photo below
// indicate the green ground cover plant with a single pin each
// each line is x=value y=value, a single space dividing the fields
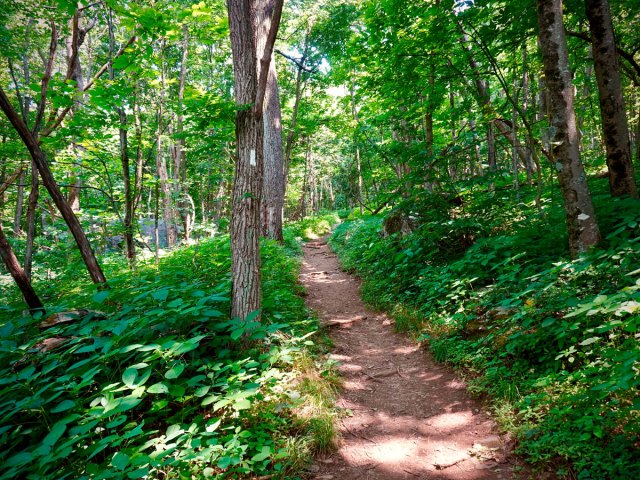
x=553 y=342
x=161 y=383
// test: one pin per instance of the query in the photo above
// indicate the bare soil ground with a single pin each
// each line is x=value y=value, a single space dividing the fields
x=405 y=416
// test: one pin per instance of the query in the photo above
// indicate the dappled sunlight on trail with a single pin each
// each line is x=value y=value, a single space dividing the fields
x=403 y=416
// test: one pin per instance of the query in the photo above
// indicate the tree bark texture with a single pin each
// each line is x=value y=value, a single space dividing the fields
x=580 y=214
x=247 y=185
x=612 y=108
x=17 y=221
x=32 y=206
x=273 y=156
x=21 y=279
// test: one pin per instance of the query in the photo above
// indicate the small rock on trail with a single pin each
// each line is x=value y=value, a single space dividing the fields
x=404 y=416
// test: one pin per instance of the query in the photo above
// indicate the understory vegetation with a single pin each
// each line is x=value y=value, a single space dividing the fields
x=152 y=379
x=488 y=285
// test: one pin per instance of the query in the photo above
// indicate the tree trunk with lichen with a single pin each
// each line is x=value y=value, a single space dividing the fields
x=614 y=116
x=580 y=214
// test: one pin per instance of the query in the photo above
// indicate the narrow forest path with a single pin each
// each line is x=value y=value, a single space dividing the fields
x=407 y=417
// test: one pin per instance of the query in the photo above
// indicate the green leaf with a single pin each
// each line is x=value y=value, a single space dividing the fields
x=174 y=372
x=158 y=388
x=202 y=391
x=210 y=399
x=263 y=455
x=129 y=376
x=120 y=460
x=242 y=404
x=236 y=334
x=54 y=435
x=139 y=473
x=224 y=462
x=161 y=295
x=63 y=406
x=101 y=296
x=589 y=341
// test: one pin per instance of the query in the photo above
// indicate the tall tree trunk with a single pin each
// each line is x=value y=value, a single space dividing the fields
x=247 y=185
x=129 y=203
x=186 y=208
x=273 y=180
x=21 y=279
x=291 y=135
x=580 y=214
x=250 y=84
x=32 y=207
x=354 y=112
x=161 y=167
x=612 y=109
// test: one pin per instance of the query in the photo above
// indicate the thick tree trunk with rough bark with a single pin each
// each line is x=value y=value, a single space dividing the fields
x=612 y=109
x=247 y=186
x=21 y=279
x=580 y=214
x=273 y=171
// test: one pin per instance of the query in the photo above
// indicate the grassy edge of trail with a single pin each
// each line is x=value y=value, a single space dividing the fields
x=158 y=382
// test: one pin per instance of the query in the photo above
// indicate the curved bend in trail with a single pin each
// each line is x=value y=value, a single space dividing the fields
x=406 y=417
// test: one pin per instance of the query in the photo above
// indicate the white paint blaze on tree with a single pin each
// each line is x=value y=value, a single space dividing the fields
x=580 y=214
x=249 y=83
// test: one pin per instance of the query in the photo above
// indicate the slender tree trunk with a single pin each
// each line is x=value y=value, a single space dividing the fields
x=17 y=221
x=186 y=209
x=612 y=109
x=156 y=223
x=21 y=279
x=161 y=167
x=32 y=207
x=291 y=135
x=129 y=204
x=354 y=112
x=580 y=214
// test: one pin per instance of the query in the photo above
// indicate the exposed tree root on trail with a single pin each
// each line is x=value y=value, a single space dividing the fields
x=405 y=416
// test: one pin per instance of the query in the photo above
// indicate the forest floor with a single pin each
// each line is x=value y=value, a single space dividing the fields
x=403 y=415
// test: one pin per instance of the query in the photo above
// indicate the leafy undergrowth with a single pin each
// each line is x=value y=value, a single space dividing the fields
x=167 y=386
x=311 y=228
x=554 y=342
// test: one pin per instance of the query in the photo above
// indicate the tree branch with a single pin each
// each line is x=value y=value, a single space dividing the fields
x=11 y=178
x=298 y=62
x=45 y=79
x=624 y=54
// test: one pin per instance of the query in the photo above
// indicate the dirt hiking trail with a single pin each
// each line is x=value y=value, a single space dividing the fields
x=406 y=417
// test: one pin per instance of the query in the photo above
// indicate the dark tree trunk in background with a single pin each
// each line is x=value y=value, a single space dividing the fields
x=580 y=214
x=612 y=109
x=17 y=221
x=129 y=204
x=32 y=207
x=21 y=279
x=273 y=156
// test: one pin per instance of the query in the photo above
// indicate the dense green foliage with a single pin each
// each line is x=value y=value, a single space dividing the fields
x=488 y=286
x=167 y=385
